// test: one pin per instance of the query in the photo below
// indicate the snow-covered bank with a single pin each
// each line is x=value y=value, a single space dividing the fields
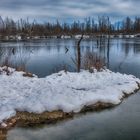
x=69 y=92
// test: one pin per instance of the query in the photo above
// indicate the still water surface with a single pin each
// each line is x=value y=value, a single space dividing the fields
x=45 y=57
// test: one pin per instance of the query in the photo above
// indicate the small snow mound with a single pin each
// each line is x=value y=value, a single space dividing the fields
x=3 y=125
x=68 y=92
x=6 y=70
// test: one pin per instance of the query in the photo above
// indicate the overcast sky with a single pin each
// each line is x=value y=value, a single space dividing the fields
x=67 y=10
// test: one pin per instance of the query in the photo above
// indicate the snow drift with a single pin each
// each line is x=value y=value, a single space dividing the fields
x=68 y=92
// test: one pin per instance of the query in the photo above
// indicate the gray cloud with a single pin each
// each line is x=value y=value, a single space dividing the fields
x=68 y=9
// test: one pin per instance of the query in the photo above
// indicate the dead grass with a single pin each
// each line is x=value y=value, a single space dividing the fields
x=91 y=60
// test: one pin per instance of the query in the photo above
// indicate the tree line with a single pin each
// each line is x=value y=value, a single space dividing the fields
x=90 y=27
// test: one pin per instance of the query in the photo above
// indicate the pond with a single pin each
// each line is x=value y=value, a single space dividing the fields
x=44 y=57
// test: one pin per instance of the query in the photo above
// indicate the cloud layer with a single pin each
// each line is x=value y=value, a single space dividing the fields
x=68 y=9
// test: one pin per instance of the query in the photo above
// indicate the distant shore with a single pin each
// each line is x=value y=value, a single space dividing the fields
x=98 y=37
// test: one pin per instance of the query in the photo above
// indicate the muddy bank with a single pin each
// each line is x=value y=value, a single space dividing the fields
x=32 y=119
x=3 y=134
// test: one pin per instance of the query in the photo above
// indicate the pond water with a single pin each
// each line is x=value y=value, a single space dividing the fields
x=44 y=57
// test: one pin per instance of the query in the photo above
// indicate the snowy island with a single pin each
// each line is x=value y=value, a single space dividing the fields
x=59 y=95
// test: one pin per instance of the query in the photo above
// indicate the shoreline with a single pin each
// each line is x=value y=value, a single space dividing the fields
x=26 y=119
x=86 y=36
x=96 y=93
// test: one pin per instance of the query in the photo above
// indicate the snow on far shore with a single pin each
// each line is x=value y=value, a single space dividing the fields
x=61 y=91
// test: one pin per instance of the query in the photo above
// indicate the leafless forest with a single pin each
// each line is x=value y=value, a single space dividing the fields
x=24 y=28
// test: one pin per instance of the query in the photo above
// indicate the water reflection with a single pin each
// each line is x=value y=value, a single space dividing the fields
x=44 y=57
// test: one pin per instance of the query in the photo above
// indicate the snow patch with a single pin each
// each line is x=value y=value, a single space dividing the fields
x=68 y=92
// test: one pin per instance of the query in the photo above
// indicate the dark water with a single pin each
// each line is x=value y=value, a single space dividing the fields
x=48 y=56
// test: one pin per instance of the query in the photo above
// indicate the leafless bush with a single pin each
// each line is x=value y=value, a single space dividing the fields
x=91 y=61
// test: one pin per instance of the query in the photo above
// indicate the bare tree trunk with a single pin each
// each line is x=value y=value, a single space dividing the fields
x=108 y=51
x=79 y=54
x=108 y=44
